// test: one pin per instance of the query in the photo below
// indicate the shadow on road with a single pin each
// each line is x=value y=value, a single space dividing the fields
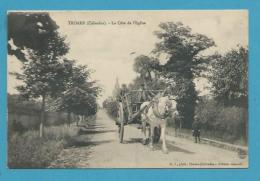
x=81 y=143
x=91 y=126
x=133 y=140
x=171 y=147
x=91 y=131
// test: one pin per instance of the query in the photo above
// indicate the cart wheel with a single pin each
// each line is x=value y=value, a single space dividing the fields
x=157 y=135
x=121 y=122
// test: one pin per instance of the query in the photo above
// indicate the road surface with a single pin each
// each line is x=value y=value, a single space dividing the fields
x=99 y=147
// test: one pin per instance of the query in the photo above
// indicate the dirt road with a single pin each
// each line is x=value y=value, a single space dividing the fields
x=100 y=148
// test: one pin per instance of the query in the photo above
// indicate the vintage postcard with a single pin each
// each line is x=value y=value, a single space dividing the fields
x=128 y=89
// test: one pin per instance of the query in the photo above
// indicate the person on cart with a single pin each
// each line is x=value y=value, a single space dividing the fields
x=122 y=93
x=120 y=97
x=144 y=95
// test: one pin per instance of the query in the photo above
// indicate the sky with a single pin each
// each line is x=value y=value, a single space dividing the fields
x=109 y=46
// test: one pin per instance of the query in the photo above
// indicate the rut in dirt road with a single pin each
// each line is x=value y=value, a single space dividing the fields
x=100 y=148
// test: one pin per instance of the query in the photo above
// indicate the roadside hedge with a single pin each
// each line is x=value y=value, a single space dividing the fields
x=226 y=123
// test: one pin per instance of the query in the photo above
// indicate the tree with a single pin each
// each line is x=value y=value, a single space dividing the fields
x=229 y=77
x=28 y=31
x=148 y=75
x=78 y=102
x=145 y=66
x=45 y=73
x=185 y=62
x=111 y=107
x=81 y=93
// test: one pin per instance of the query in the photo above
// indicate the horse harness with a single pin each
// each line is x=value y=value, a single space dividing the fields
x=154 y=105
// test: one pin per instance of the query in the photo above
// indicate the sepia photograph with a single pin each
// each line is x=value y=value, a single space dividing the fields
x=127 y=89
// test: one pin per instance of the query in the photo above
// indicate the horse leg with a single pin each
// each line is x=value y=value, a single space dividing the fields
x=144 y=131
x=147 y=133
x=163 y=129
x=151 y=136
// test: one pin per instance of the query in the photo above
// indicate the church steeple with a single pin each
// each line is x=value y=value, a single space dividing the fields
x=116 y=88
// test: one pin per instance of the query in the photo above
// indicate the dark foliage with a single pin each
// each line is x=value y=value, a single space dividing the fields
x=29 y=30
x=229 y=77
x=226 y=123
x=184 y=63
x=111 y=106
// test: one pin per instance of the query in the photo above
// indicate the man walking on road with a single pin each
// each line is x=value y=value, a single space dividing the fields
x=196 y=129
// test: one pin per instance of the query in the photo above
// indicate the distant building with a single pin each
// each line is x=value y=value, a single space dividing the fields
x=116 y=88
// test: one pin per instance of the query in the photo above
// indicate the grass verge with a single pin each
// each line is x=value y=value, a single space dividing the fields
x=28 y=150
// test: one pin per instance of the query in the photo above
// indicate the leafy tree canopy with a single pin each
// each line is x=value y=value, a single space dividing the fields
x=183 y=46
x=29 y=30
x=81 y=93
x=229 y=77
x=145 y=66
x=184 y=63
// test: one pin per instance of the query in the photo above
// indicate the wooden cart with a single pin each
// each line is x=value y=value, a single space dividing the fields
x=129 y=112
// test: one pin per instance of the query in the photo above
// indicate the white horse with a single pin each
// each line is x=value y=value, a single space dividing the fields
x=154 y=117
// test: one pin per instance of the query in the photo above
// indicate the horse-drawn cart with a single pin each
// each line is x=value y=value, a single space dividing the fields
x=129 y=112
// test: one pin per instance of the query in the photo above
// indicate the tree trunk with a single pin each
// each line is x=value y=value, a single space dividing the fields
x=42 y=117
x=68 y=119
x=77 y=120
